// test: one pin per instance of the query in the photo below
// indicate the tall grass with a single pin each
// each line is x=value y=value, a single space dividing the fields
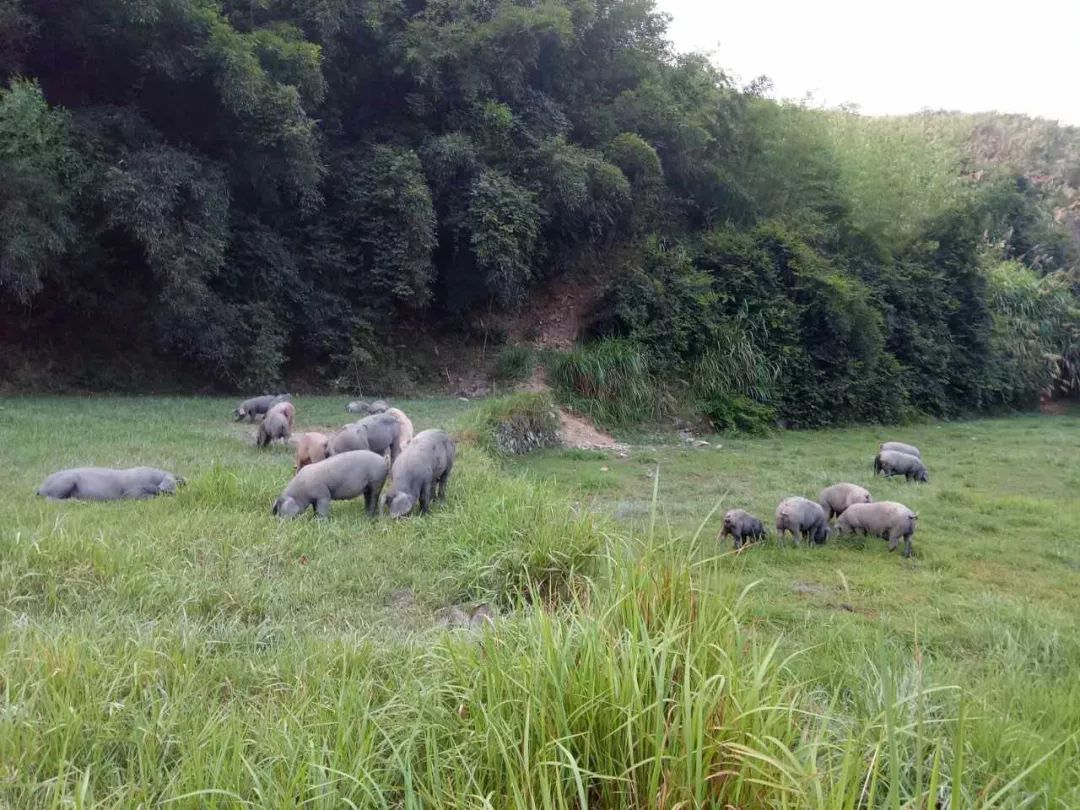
x=514 y=363
x=610 y=381
x=649 y=690
x=733 y=382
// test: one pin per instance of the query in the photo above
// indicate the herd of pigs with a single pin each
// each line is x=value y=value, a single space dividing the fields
x=353 y=462
x=357 y=460
x=852 y=506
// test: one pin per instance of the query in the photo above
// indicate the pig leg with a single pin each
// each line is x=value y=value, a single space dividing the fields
x=907 y=545
x=371 y=499
x=376 y=496
x=894 y=539
x=140 y=493
x=425 y=498
x=322 y=507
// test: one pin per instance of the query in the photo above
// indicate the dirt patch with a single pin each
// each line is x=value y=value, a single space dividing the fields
x=558 y=310
x=537 y=382
x=579 y=432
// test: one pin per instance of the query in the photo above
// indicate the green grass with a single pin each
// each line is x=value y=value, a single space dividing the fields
x=991 y=601
x=515 y=363
x=609 y=381
x=196 y=652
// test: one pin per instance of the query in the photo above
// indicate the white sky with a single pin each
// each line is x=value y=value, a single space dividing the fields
x=897 y=56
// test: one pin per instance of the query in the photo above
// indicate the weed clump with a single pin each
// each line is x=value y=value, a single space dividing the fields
x=514 y=363
x=515 y=425
x=610 y=381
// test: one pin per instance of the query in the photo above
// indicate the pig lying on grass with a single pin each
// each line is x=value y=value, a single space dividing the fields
x=103 y=484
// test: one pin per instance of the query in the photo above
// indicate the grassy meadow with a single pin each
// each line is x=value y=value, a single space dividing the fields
x=196 y=652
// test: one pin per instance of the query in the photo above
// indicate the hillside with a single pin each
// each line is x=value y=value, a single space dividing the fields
x=201 y=195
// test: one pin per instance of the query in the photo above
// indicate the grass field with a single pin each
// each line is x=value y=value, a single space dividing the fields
x=194 y=651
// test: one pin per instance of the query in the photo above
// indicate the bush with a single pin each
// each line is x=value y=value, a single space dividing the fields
x=667 y=306
x=503 y=223
x=732 y=384
x=515 y=363
x=610 y=381
x=1036 y=335
x=515 y=425
x=736 y=412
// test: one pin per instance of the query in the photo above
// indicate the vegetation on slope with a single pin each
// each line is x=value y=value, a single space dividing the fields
x=271 y=189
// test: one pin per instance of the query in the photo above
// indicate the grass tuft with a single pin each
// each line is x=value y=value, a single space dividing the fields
x=608 y=380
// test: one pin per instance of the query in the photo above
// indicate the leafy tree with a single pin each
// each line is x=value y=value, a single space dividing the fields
x=503 y=223
x=248 y=188
x=39 y=172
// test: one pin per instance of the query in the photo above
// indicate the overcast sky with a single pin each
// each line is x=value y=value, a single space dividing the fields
x=897 y=57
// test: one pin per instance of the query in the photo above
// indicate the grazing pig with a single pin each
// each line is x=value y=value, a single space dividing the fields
x=286 y=409
x=892 y=462
x=379 y=433
x=835 y=499
x=900 y=447
x=311 y=449
x=421 y=472
x=345 y=476
x=346 y=440
x=257 y=406
x=103 y=484
x=361 y=407
x=801 y=516
x=404 y=433
x=886 y=519
x=741 y=524
x=274 y=426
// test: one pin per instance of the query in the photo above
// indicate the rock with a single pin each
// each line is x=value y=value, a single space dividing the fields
x=471 y=617
x=483 y=614
x=700 y=443
x=402 y=597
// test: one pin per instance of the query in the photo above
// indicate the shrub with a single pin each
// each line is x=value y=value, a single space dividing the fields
x=503 y=223
x=610 y=381
x=667 y=306
x=515 y=425
x=733 y=382
x=1036 y=335
x=514 y=363
x=736 y=412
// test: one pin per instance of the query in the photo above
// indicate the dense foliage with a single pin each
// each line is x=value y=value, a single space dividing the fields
x=262 y=188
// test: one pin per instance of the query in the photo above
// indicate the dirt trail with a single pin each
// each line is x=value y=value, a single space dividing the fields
x=579 y=432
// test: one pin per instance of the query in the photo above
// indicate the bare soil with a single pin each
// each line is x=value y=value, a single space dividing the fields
x=577 y=431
